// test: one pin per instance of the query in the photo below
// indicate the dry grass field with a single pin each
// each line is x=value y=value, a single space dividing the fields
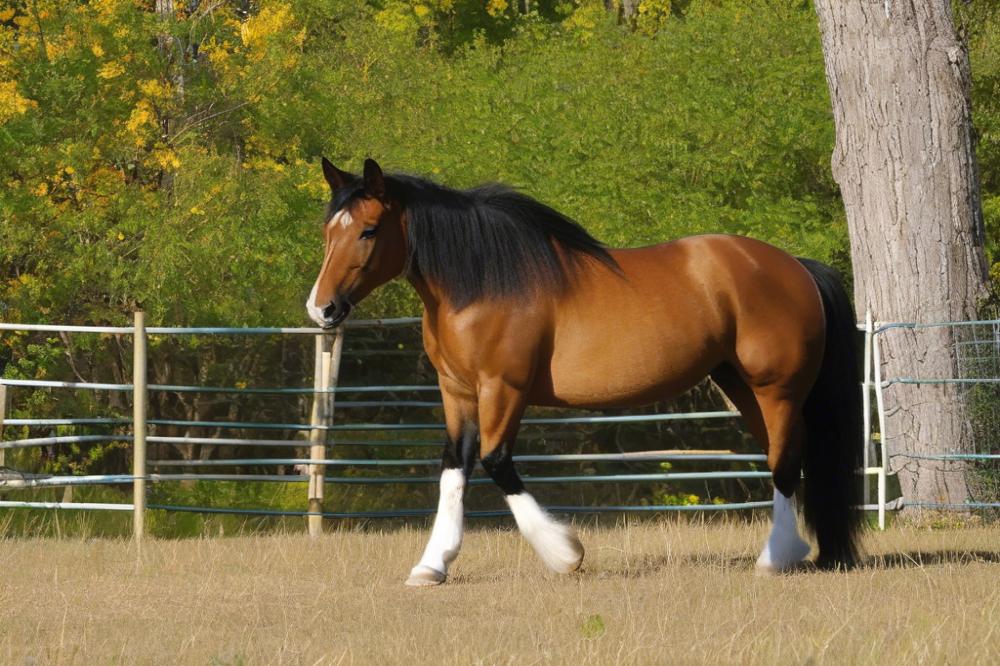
x=656 y=592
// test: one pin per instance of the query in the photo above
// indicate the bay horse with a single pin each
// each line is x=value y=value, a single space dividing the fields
x=523 y=307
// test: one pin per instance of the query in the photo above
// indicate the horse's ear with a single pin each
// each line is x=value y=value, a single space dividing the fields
x=374 y=182
x=336 y=178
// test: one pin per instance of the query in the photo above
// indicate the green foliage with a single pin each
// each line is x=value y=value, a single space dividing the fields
x=171 y=164
x=980 y=22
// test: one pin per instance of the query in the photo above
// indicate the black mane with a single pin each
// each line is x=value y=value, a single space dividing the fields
x=486 y=242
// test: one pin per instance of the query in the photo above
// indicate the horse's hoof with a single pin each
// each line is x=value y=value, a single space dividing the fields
x=782 y=554
x=422 y=576
x=576 y=561
x=766 y=567
x=773 y=570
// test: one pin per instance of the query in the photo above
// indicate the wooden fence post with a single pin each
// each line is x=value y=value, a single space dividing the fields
x=4 y=408
x=326 y=369
x=4 y=405
x=139 y=427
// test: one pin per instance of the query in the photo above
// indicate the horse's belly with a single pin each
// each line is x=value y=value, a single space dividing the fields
x=612 y=373
x=641 y=338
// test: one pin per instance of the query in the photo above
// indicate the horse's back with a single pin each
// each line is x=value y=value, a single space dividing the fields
x=674 y=313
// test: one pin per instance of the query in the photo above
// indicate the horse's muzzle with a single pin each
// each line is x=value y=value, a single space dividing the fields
x=334 y=314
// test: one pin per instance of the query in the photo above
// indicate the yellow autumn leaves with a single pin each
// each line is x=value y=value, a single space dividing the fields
x=142 y=117
x=12 y=103
x=405 y=16
x=111 y=70
x=143 y=120
x=269 y=21
x=496 y=7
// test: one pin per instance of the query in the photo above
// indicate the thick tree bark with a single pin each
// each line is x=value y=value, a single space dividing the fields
x=905 y=162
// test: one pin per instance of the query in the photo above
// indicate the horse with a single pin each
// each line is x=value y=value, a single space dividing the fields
x=523 y=307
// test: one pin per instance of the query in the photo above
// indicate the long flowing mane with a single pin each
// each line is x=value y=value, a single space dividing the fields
x=489 y=241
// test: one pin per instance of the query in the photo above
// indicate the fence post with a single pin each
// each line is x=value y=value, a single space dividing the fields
x=866 y=415
x=326 y=368
x=3 y=414
x=883 y=451
x=139 y=427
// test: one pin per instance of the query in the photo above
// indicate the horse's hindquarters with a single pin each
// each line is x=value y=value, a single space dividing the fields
x=676 y=313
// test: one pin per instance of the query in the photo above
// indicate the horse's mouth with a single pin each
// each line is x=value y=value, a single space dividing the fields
x=345 y=311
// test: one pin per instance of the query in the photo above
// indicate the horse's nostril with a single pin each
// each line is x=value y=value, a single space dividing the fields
x=330 y=310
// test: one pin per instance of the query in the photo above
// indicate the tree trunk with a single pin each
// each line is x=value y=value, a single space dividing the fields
x=626 y=10
x=905 y=162
x=174 y=73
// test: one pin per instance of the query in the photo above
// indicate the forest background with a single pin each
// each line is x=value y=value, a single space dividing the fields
x=164 y=156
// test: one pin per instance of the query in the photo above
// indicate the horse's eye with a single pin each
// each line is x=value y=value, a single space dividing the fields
x=368 y=233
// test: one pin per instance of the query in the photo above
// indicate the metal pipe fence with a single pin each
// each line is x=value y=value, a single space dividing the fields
x=324 y=393
x=964 y=362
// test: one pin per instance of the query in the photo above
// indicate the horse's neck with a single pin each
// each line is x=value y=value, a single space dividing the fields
x=430 y=295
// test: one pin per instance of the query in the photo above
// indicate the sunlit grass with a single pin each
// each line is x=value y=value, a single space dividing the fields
x=657 y=592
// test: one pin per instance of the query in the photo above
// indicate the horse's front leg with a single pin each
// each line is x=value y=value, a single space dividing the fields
x=500 y=409
x=457 y=461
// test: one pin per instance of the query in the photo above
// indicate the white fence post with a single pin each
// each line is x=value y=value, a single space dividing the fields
x=883 y=455
x=139 y=427
x=866 y=415
x=326 y=368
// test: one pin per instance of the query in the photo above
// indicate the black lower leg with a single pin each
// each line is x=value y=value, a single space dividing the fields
x=500 y=466
x=786 y=474
x=461 y=453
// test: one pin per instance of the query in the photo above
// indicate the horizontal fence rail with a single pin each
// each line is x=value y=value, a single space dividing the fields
x=412 y=462
x=418 y=513
x=206 y=330
x=61 y=481
x=180 y=388
x=85 y=506
x=256 y=425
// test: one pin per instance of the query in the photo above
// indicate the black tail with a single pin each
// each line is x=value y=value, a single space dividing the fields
x=833 y=445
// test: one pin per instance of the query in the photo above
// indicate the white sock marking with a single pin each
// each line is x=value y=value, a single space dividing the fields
x=446 y=537
x=784 y=548
x=555 y=542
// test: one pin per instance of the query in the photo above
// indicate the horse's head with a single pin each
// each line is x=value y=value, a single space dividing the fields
x=365 y=243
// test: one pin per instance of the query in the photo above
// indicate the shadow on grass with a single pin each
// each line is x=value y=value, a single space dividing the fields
x=652 y=565
x=903 y=560
x=927 y=558
x=647 y=565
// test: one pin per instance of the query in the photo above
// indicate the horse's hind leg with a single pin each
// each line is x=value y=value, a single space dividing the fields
x=500 y=410
x=776 y=423
x=784 y=549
